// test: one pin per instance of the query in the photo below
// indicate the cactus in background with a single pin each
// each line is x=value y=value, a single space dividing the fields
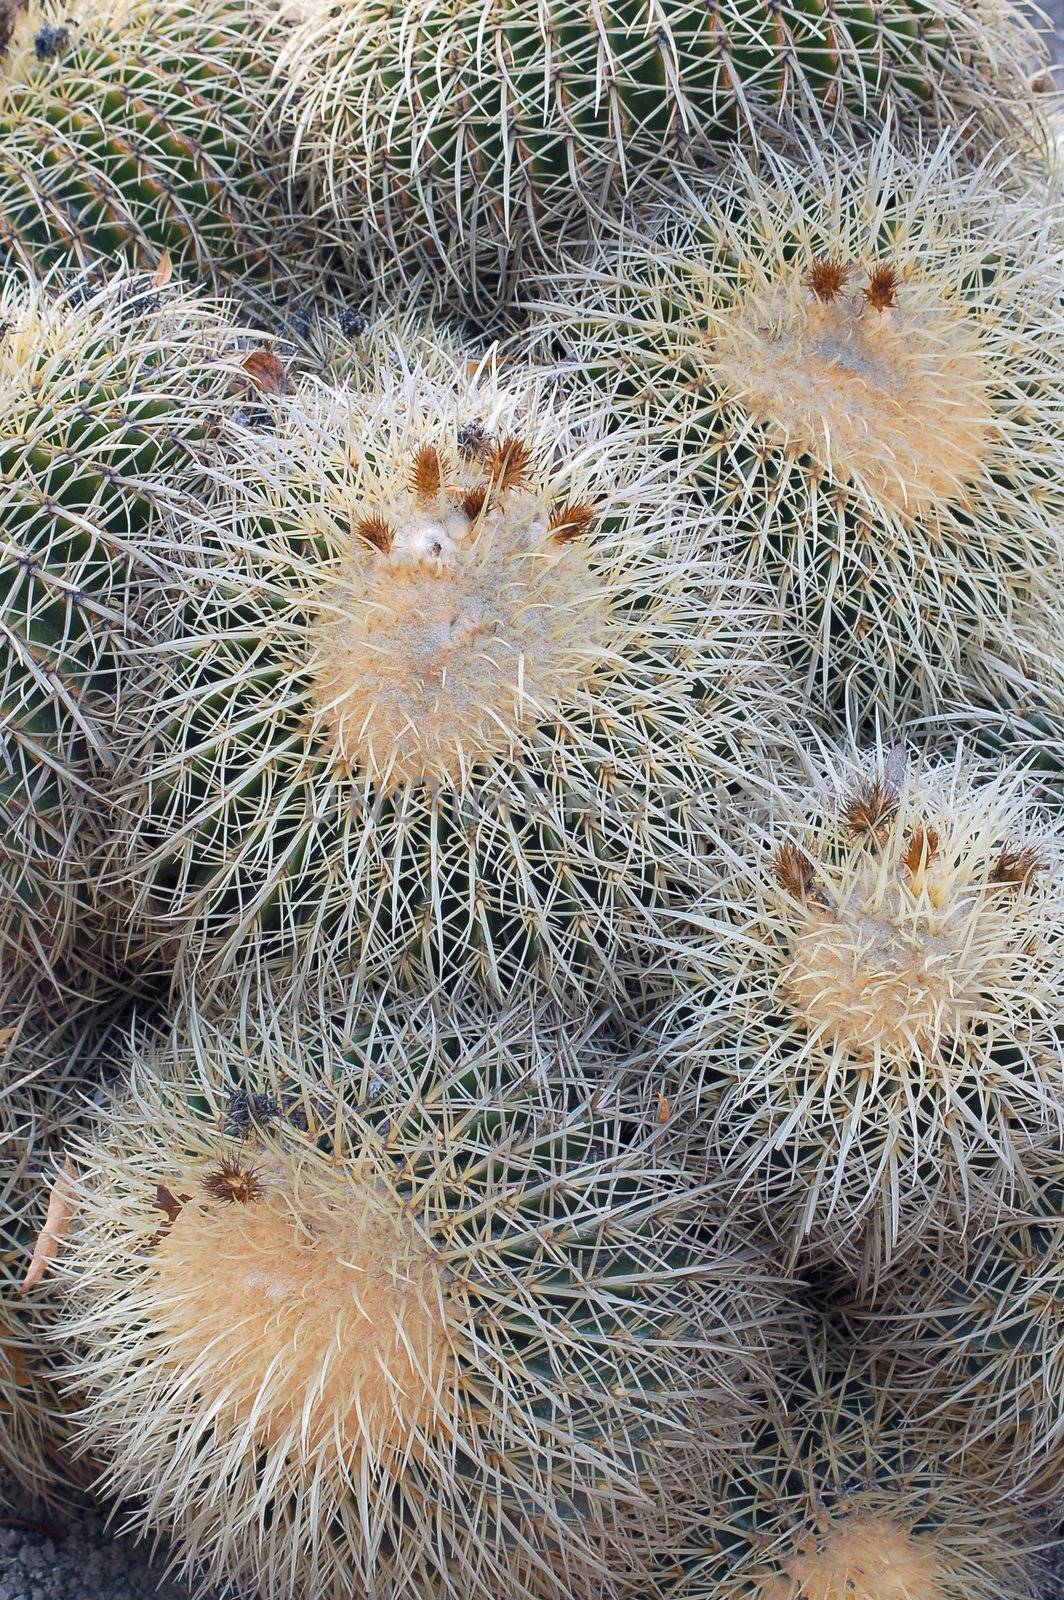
x=876 y=1033
x=979 y=1336
x=127 y=130
x=405 y=1309
x=848 y=1494
x=100 y=396
x=474 y=137
x=452 y=694
x=859 y=353
x=41 y=1057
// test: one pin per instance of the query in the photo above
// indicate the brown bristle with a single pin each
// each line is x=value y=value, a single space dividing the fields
x=510 y=462
x=827 y=278
x=472 y=501
x=1015 y=867
x=377 y=532
x=921 y=849
x=166 y=1201
x=882 y=290
x=232 y=1183
x=794 y=872
x=570 y=522
x=868 y=812
x=426 y=478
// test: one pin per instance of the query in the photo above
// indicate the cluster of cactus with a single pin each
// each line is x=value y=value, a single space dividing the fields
x=531 y=734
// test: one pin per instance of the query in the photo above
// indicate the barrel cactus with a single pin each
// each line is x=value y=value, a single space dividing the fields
x=848 y=1494
x=42 y=1056
x=404 y=1309
x=473 y=137
x=979 y=1335
x=876 y=1045
x=127 y=131
x=100 y=394
x=450 y=696
x=859 y=353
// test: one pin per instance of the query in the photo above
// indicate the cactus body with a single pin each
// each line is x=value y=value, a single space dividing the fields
x=979 y=1335
x=424 y=1322
x=848 y=1494
x=850 y=350
x=471 y=137
x=126 y=132
x=450 y=697
x=97 y=405
x=42 y=1055
x=878 y=1043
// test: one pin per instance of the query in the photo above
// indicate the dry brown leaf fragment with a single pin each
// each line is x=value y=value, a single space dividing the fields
x=61 y=1204
x=664 y=1108
x=7 y=1034
x=163 y=272
x=266 y=372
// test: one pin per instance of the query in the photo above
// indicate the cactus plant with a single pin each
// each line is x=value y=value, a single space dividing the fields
x=473 y=137
x=859 y=353
x=404 y=1309
x=451 y=692
x=978 y=1335
x=127 y=131
x=877 y=1034
x=847 y=1494
x=100 y=395
x=42 y=1054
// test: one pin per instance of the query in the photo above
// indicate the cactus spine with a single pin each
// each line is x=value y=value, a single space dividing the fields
x=126 y=131
x=848 y=1494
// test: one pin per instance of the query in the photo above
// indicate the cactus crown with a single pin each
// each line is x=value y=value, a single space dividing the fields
x=271 y=1270
x=463 y=609
x=880 y=377
x=902 y=924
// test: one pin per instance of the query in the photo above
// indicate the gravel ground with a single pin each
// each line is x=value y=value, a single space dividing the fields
x=73 y=1556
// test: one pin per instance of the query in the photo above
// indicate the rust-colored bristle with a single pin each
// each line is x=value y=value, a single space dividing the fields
x=868 y=812
x=1015 y=867
x=882 y=290
x=827 y=278
x=570 y=521
x=510 y=462
x=794 y=872
x=472 y=501
x=426 y=479
x=921 y=849
x=377 y=532
x=233 y=1183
